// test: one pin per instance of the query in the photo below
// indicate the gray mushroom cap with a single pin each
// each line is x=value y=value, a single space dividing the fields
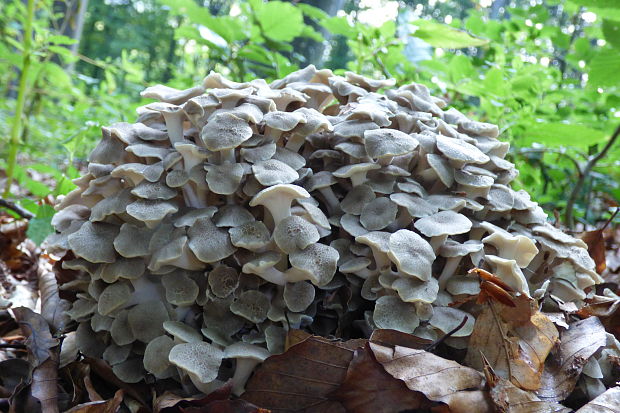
x=224 y=179
x=251 y=235
x=460 y=152
x=443 y=223
x=378 y=213
x=94 y=242
x=317 y=261
x=171 y=95
x=278 y=198
x=156 y=356
x=208 y=242
x=251 y=305
x=391 y=313
x=225 y=131
x=182 y=332
x=294 y=233
x=355 y=200
x=272 y=172
x=200 y=360
x=411 y=254
x=298 y=296
x=387 y=143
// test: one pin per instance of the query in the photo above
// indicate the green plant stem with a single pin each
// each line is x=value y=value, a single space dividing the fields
x=16 y=128
x=570 y=203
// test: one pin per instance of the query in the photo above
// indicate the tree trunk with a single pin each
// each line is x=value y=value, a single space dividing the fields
x=72 y=22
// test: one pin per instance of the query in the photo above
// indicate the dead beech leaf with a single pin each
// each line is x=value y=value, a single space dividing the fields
x=438 y=379
x=302 y=378
x=596 y=248
x=56 y=308
x=509 y=398
x=516 y=341
x=368 y=388
x=106 y=406
x=40 y=340
x=169 y=399
x=608 y=402
x=577 y=345
x=226 y=406
x=395 y=337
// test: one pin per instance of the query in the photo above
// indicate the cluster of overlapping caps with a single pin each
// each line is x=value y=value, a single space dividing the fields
x=230 y=213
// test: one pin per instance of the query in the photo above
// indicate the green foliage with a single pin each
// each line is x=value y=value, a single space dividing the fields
x=547 y=74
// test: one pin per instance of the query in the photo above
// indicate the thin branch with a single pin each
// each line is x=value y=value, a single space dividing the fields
x=570 y=203
x=22 y=212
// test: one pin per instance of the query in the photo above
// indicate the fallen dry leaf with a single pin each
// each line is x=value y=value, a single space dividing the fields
x=40 y=340
x=516 y=341
x=577 y=345
x=226 y=406
x=368 y=388
x=438 y=379
x=106 y=406
x=302 y=378
x=509 y=398
x=55 y=308
x=596 y=248
x=608 y=402
x=395 y=337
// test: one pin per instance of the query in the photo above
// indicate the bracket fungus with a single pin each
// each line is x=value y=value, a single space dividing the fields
x=230 y=213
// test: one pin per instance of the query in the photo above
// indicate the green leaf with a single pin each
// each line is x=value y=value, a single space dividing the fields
x=611 y=31
x=339 y=25
x=605 y=69
x=610 y=14
x=61 y=39
x=308 y=31
x=40 y=226
x=280 y=21
x=441 y=35
x=612 y=4
x=311 y=11
x=461 y=68
x=63 y=52
x=562 y=134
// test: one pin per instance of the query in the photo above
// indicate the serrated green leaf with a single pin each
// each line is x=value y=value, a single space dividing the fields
x=442 y=35
x=311 y=11
x=339 y=25
x=280 y=21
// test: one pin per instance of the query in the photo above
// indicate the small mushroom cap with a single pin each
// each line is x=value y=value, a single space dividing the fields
x=246 y=350
x=513 y=247
x=411 y=254
x=319 y=261
x=272 y=172
x=348 y=171
x=113 y=297
x=381 y=143
x=223 y=280
x=182 y=332
x=225 y=131
x=130 y=370
x=94 y=242
x=156 y=355
x=292 y=159
x=251 y=305
x=208 y=242
x=251 y=235
x=232 y=216
x=442 y=168
x=447 y=319
x=188 y=219
x=180 y=289
x=509 y=272
x=200 y=359
x=114 y=354
x=416 y=206
x=224 y=179
x=283 y=121
x=146 y=320
x=293 y=233
x=170 y=95
x=455 y=249
x=460 y=151
x=153 y=190
x=298 y=296
x=319 y=180
x=391 y=313
x=151 y=212
x=378 y=213
x=120 y=331
x=443 y=223
x=355 y=200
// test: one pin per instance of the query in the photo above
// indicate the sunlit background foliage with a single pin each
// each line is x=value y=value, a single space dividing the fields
x=547 y=72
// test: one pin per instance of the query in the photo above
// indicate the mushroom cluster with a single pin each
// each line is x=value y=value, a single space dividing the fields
x=230 y=213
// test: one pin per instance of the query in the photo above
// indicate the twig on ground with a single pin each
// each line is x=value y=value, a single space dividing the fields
x=22 y=212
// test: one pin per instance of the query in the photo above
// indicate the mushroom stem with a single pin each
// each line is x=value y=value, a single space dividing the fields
x=403 y=220
x=358 y=178
x=279 y=208
x=191 y=198
x=438 y=241
x=449 y=268
x=227 y=156
x=243 y=370
x=294 y=142
x=333 y=204
x=174 y=125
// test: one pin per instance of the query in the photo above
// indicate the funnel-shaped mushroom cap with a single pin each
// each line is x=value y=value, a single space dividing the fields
x=355 y=200
x=182 y=332
x=412 y=290
x=278 y=198
x=200 y=360
x=317 y=261
x=442 y=168
x=225 y=131
x=384 y=143
x=151 y=212
x=223 y=280
x=513 y=247
x=94 y=242
x=416 y=206
x=411 y=254
x=509 y=272
x=283 y=121
x=171 y=95
x=443 y=223
x=391 y=313
x=371 y=85
x=378 y=214
x=115 y=296
x=208 y=242
x=180 y=289
x=251 y=235
x=294 y=233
